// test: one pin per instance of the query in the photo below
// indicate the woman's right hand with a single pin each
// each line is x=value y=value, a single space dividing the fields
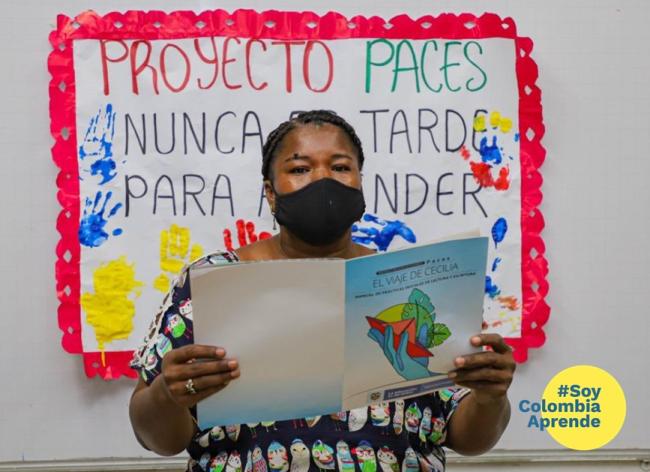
x=207 y=366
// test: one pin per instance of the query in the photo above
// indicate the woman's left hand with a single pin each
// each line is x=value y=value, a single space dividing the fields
x=487 y=373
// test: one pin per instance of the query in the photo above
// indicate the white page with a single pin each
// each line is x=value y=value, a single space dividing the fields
x=226 y=306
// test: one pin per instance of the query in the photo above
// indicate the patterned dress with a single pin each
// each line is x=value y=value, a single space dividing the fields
x=395 y=436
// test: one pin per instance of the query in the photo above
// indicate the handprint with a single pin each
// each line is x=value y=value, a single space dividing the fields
x=175 y=252
x=492 y=155
x=110 y=309
x=96 y=150
x=91 y=226
x=499 y=230
x=245 y=234
x=382 y=237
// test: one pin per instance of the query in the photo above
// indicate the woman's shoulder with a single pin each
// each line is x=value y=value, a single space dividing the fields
x=262 y=249
x=364 y=251
x=219 y=257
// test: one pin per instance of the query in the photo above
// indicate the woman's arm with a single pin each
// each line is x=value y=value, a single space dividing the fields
x=482 y=415
x=160 y=413
x=476 y=426
x=159 y=423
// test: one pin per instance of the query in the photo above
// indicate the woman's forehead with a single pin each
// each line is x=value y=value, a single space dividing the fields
x=313 y=138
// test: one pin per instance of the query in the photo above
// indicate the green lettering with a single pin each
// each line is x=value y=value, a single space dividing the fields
x=469 y=59
x=414 y=67
x=423 y=69
x=448 y=65
x=370 y=63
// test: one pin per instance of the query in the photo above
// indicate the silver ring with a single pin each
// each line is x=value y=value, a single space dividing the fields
x=189 y=387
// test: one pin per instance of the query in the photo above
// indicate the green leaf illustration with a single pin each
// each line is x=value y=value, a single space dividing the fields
x=440 y=334
x=420 y=298
x=420 y=308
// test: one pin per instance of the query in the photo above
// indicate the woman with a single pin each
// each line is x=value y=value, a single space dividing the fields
x=312 y=178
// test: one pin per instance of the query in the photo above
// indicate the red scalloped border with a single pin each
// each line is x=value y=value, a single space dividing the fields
x=282 y=25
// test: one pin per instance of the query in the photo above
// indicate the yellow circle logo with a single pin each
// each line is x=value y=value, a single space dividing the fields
x=583 y=407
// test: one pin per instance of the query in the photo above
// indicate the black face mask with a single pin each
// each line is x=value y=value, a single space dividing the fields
x=321 y=212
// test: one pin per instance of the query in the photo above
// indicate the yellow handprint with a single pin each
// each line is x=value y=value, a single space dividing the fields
x=111 y=308
x=175 y=252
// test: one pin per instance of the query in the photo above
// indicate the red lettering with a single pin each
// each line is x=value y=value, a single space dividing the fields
x=287 y=53
x=137 y=70
x=163 y=68
x=305 y=66
x=249 y=44
x=225 y=61
x=106 y=59
x=214 y=61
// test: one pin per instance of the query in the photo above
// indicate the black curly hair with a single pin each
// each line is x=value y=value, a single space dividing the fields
x=316 y=117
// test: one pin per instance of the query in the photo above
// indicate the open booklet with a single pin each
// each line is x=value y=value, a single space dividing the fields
x=316 y=336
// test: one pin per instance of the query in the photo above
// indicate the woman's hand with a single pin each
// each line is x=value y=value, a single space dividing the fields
x=408 y=367
x=487 y=373
x=204 y=367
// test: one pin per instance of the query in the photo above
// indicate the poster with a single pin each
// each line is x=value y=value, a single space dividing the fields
x=159 y=119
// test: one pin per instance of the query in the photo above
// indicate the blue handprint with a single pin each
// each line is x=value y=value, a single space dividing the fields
x=96 y=151
x=499 y=230
x=91 y=226
x=382 y=237
x=491 y=289
x=410 y=368
x=490 y=153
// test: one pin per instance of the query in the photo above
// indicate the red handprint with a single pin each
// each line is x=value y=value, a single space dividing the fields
x=245 y=234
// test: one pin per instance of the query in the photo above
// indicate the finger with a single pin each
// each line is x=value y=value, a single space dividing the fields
x=178 y=388
x=480 y=359
x=200 y=369
x=241 y=233
x=195 y=351
x=482 y=375
x=389 y=348
x=202 y=395
x=494 y=340
x=250 y=231
x=376 y=335
x=485 y=387
x=401 y=349
x=212 y=381
x=189 y=400
x=227 y=239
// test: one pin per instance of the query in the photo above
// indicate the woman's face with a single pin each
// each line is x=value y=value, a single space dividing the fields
x=309 y=153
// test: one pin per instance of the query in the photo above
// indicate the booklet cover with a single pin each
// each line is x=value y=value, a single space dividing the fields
x=316 y=336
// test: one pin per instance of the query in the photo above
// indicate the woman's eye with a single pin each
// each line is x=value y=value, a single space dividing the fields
x=299 y=170
x=341 y=168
